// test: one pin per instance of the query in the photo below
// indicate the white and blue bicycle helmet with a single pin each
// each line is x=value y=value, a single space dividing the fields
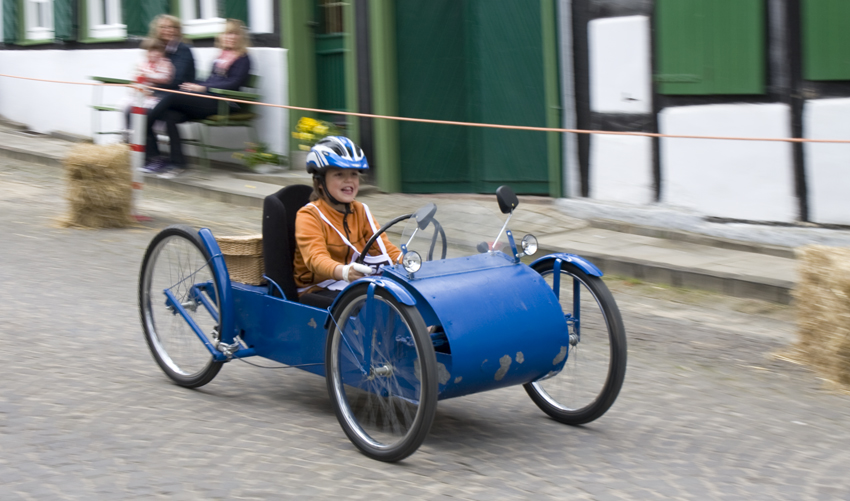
x=335 y=151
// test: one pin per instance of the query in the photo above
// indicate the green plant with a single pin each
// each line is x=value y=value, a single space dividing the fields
x=258 y=154
x=309 y=131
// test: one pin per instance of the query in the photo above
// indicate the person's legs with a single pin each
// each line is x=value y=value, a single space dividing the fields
x=194 y=107
x=154 y=114
x=319 y=299
x=182 y=108
x=175 y=142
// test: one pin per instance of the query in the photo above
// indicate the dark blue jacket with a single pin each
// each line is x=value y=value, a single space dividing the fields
x=184 y=65
x=234 y=78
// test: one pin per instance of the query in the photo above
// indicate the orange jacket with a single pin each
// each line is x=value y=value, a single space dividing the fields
x=319 y=249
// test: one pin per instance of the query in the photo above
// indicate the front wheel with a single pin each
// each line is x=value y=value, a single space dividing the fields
x=176 y=264
x=381 y=373
x=595 y=365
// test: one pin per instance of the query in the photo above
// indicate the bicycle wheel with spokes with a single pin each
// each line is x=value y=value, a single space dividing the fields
x=595 y=366
x=177 y=264
x=381 y=373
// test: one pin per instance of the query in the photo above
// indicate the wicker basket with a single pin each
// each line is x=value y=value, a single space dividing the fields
x=244 y=258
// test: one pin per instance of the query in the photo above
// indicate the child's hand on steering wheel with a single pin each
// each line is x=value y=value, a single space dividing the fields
x=354 y=271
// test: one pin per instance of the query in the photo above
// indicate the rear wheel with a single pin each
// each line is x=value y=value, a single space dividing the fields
x=381 y=373
x=595 y=365
x=176 y=261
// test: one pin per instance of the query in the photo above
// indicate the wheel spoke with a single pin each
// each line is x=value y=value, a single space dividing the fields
x=175 y=261
x=383 y=412
x=592 y=374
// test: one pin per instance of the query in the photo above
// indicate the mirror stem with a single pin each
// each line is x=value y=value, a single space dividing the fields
x=495 y=242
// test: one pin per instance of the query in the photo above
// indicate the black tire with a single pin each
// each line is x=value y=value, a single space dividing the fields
x=176 y=259
x=595 y=365
x=386 y=410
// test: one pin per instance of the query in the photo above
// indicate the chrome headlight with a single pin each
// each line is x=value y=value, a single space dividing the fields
x=529 y=245
x=412 y=261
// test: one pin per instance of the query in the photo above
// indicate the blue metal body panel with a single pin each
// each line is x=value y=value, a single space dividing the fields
x=503 y=323
x=583 y=264
x=280 y=330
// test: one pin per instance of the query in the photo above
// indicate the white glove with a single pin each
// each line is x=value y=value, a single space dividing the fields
x=362 y=268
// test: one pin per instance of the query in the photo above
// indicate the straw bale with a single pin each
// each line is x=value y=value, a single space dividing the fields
x=99 y=186
x=822 y=298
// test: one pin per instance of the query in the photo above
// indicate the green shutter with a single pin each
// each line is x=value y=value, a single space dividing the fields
x=63 y=20
x=710 y=46
x=138 y=14
x=236 y=9
x=826 y=39
x=10 y=21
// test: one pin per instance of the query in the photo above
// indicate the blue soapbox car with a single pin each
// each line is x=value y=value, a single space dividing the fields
x=454 y=317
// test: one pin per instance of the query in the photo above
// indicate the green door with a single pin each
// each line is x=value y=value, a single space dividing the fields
x=330 y=56
x=472 y=61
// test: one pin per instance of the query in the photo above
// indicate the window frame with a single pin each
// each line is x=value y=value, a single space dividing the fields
x=30 y=34
x=195 y=25
x=108 y=32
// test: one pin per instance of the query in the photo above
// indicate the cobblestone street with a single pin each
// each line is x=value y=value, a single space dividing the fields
x=706 y=412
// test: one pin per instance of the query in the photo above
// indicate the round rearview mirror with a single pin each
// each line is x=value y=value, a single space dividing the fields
x=412 y=261
x=529 y=245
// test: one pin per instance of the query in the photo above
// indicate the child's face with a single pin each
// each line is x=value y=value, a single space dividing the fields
x=155 y=55
x=342 y=184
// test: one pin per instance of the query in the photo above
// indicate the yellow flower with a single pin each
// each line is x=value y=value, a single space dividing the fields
x=321 y=130
x=305 y=124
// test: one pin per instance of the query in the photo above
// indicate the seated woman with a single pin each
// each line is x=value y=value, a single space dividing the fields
x=230 y=71
x=331 y=231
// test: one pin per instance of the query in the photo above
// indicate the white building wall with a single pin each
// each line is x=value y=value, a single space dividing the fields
x=828 y=165
x=621 y=169
x=620 y=66
x=620 y=82
x=734 y=179
x=47 y=107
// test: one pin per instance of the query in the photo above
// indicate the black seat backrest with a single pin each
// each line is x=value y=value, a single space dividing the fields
x=279 y=210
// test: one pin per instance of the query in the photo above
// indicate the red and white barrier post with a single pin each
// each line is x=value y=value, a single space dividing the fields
x=138 y=121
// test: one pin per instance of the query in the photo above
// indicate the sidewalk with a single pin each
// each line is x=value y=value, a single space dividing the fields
x=655 y=243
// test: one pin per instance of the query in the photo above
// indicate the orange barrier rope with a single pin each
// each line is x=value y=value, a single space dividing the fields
x=463 y=124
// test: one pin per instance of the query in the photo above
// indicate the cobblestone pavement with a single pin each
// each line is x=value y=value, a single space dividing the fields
x=706 y=411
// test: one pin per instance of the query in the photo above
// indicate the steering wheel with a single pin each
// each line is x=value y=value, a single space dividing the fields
x=423 y=216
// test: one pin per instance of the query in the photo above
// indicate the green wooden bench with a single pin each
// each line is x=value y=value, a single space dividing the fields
x=98 y=107
x=244 y=117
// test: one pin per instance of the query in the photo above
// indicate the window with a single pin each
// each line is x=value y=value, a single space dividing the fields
x=710 y=46
x=202 y=17
x=104 y=19
x=825 y=39
x=38 y=19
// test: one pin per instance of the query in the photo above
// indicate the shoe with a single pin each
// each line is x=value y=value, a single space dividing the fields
x=171 y=171
x=155 y=166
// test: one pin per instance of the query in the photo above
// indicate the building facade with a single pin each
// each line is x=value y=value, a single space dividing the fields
x=74 y=40
x=743 y=68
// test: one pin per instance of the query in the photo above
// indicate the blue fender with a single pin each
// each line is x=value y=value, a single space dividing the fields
x=398 y=291
x=582 y=263
x=226 y=308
